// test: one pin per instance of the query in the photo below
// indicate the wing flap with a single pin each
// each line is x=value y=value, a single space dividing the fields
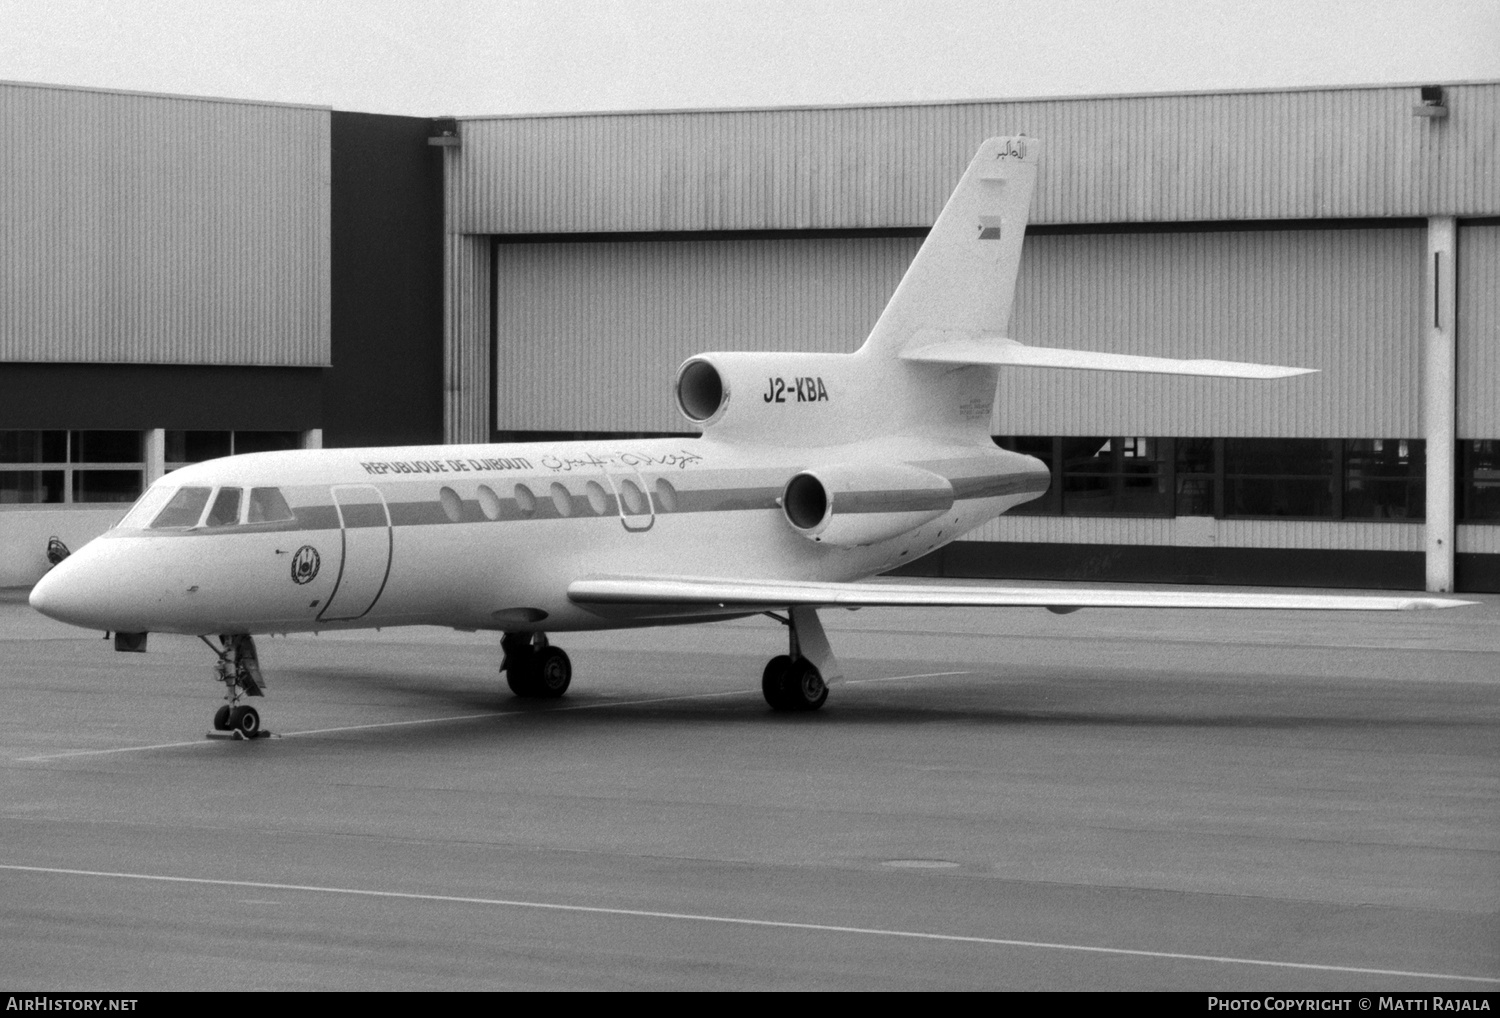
x=667 y=595
x=959 y=349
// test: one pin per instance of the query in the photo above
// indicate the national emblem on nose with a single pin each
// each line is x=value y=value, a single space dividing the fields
x=305 y=564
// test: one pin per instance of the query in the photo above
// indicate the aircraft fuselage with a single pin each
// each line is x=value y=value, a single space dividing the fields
x=489 y=536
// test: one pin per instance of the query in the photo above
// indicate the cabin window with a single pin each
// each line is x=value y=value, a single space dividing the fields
x=453 y=506
x=226 y=508
x=666 y=496
x=268 y=506
x=633 y=497
x=561 y=499
x=525 y=501
x=489 y=502
x=184 y=509
x=598 y=501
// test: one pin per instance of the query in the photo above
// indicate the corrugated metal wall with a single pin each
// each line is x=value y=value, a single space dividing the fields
x=1478 y=331
x=1348 y=152
x=155 y=229
x=589 y=336
x=1345 y=301
x=466 y=353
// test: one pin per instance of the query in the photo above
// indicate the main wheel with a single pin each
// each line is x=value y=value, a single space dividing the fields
x=221 y=719
x=245 y=720
x=773 y=682
x=519 y=672
x=545 y=674
x=551 y=672
x=805 y=688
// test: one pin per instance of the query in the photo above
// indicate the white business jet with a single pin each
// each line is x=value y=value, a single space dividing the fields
x=813 y=472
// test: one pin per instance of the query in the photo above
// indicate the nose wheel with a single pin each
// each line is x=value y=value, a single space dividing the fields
x=243 y=721
x=238 y=670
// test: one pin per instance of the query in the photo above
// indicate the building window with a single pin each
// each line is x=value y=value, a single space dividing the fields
x=51 y=467
x=1385 y=479
x=1280 y=478
x=1116 y=477
x=1247 y=478
x=1198 y=480
x=1479 y=481
x=187 y=447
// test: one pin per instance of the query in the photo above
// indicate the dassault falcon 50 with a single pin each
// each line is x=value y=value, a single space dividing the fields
x=814 y=471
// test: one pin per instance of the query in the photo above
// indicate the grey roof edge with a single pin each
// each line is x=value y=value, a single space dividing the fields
x=1081 y=97
x=161 y=95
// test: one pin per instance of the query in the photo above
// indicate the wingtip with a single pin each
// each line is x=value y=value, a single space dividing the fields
x=1434 y=603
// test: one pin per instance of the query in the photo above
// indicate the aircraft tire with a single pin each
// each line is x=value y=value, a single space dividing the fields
x=221 y=719
x=520 y=676
x=551 y=673
x=246 y=721
x=805 y=688
x=773 y=682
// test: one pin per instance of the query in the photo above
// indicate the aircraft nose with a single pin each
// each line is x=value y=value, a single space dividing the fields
x=52 y=595
x=72 y=592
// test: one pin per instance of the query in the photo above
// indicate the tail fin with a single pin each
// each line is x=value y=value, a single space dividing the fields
x=964 y=277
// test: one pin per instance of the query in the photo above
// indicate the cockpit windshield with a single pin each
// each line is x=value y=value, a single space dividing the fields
x=268 y=506
x=146 y=506
x=226 y=510
x=183 y=510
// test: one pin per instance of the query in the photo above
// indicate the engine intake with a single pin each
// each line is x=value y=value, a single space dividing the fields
x=850 y=505
x=701 y=392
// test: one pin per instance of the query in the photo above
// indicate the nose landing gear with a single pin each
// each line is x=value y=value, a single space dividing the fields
x=238 y=668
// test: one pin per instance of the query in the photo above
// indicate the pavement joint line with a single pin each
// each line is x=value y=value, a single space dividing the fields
x=70 y=754
x=633 y=913
x=897 y=678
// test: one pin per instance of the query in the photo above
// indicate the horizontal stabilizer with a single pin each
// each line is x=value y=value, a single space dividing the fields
x=667 y=595
x=948 y=348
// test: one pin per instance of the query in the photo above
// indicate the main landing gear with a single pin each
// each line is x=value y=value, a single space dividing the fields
x=238 y=668
x=798 y=680
x=533 y=668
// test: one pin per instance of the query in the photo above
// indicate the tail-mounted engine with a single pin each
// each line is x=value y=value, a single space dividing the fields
x=807 y=399
x=857 y=504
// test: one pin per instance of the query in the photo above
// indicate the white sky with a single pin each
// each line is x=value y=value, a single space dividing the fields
x=476 y=57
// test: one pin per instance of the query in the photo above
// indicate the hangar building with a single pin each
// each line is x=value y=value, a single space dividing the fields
x=188 y=276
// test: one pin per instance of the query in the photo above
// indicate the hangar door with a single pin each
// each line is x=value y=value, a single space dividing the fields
x=588 y=336
x=1347 y=302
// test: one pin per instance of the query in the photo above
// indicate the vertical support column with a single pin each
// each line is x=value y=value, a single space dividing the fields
x=312 y=438
x=154 y=453
x=467 y=396
x=1440 y=399
x=466 y=330
x=452 y=377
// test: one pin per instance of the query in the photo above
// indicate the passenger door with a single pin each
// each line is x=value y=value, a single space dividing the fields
x=365 y=529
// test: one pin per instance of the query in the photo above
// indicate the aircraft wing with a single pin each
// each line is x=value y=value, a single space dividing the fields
x=668 y=595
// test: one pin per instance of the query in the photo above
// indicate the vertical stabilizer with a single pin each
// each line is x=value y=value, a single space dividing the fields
x=964 y=277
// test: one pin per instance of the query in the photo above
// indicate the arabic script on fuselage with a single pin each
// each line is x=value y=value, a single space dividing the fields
x=561 y=464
